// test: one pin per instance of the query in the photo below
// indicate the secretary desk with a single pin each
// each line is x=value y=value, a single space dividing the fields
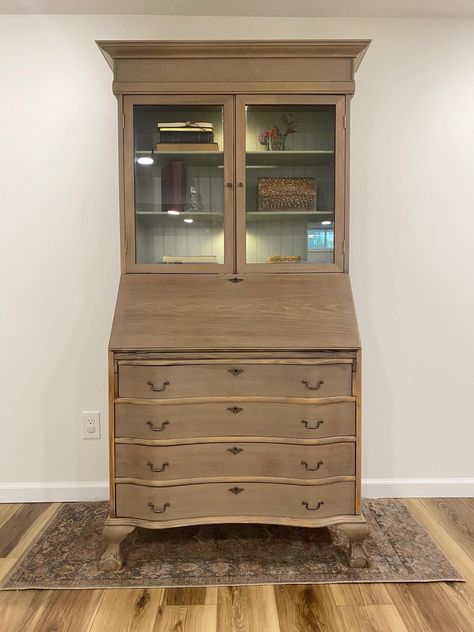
x=234 y=357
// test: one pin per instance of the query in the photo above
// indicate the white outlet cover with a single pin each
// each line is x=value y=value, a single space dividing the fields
x=90 y=424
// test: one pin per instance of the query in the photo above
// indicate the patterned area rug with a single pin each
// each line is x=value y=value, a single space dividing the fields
x=65 y=555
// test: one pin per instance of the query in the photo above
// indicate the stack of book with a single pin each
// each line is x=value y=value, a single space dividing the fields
x=186 y=136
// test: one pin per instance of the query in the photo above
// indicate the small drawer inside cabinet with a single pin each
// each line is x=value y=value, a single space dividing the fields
x=228 y=380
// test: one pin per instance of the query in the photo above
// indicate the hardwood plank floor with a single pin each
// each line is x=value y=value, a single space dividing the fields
x=436 y=607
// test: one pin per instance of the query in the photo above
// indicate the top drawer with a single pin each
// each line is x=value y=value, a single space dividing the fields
x=234 y=380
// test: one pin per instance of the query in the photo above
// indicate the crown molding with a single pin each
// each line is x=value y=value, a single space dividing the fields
x=212 y=49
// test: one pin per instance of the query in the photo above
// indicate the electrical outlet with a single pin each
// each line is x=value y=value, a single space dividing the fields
x=90 y=424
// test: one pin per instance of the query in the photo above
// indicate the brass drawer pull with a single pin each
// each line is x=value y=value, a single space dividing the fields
x=320 y=502
x=157 y=469
x=235 y=409
x=235 y=372
x=235 y=450
x=158 y=389
x=312 y=469
x=319 y=383
x=162 y=510
x=312 y=427
x=236 y=490
x=156 y=428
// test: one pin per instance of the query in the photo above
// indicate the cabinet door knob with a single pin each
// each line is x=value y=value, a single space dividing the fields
x=229 y=184
x=157 y=428
x=157 y=510
x=320 y=502
x=318 y=385
x=157 y=469
x=310 y=425
x=312 y=469
x=240 y=184
x=156 y=388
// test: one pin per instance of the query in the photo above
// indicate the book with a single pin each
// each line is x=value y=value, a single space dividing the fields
x=188 y=136
x=173 y=186
x=180 y=130
x=181 y=124
x=186 y=147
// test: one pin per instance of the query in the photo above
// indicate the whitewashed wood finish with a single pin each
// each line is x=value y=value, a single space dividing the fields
x=199 y=420
x=269 y=500
x=206 y=461
x=213 y=380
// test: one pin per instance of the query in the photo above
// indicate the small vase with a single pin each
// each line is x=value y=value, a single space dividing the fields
x=275 y=144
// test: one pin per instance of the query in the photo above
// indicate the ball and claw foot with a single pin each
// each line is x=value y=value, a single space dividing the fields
x=356 y=534
x=112 y=559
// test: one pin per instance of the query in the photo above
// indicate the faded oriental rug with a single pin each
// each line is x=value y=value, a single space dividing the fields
x=65 y=554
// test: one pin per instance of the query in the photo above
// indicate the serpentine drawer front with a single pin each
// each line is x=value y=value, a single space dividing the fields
x=209 y=500
x=208 y=460
x=162 y=422
x=250 y=380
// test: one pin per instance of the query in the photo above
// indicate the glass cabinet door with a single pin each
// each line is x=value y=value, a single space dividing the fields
x=290 y=176
x=178 y=169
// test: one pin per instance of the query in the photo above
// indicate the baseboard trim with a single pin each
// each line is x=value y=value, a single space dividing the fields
x=371 y=488
x=53 y=492
x=417 y=487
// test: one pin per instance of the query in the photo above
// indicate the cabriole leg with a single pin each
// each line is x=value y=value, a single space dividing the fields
x=112 y=559
x=356 y=533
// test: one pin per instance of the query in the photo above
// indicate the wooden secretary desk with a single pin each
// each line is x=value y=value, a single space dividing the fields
x=234 y=354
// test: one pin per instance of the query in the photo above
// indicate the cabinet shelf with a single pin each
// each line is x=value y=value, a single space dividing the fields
x=285 y=215
x=182 y=214
x=289 y=158
x=191 y=158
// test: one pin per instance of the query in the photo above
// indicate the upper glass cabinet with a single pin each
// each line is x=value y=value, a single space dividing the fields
x=290 y=169
x=177 y=184
x=274 y=202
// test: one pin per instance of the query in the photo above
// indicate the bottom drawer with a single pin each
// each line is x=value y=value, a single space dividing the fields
x=217 y=500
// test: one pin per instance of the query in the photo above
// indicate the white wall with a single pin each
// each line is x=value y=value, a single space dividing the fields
x=412 y=250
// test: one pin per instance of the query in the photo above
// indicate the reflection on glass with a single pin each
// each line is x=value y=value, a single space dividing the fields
x=179 y=184
x=290 y=177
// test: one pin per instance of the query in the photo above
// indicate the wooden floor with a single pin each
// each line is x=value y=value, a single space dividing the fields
x=435 y=607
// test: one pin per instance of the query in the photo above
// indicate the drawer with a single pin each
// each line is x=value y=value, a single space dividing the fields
x=228 y=380
x=246 y=419
x=234 y=460
x=218 y=500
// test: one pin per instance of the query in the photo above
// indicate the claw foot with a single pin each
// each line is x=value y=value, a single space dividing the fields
x=356 y=534
x=112 y=559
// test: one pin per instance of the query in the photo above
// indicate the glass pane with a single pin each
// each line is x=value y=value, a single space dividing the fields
x=290 y=177
x=179 y=184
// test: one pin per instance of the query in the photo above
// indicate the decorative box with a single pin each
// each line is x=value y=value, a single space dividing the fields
x=286 y=194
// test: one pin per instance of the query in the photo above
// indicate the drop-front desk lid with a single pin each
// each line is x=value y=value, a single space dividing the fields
x=206 y=312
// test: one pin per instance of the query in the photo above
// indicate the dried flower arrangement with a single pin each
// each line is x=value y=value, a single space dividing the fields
x=274 y=137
